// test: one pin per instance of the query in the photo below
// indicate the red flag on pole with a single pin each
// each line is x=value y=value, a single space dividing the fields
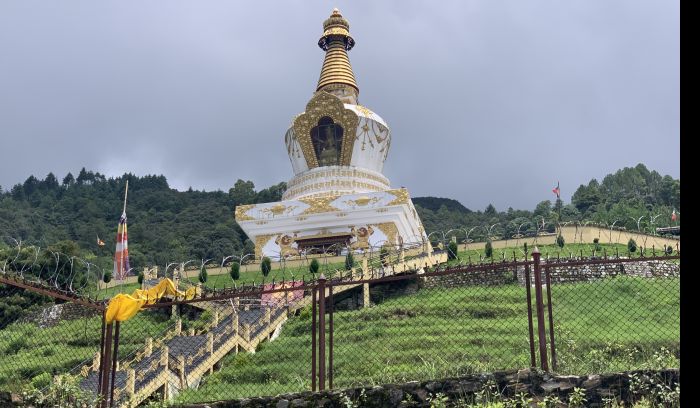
x=673 y=215
x=556 y=190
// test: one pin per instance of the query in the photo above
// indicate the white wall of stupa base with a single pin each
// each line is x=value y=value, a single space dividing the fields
x=385 y=218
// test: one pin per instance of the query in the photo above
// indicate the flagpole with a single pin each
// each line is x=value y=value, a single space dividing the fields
x=126 y=192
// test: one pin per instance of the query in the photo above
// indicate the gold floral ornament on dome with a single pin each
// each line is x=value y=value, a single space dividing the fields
x=319 y=204
x=241 y=211
x=324 y=104
x=401 y=195
x=260 y=242
x=278 y=209
x=362 y=201
x=389 y=229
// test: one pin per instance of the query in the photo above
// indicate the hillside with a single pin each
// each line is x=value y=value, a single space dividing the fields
x=167 y=225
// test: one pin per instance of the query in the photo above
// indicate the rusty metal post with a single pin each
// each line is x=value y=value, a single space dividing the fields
x=106 y=365
x=330 y=336
x=551 y=318
x=540 y=310
x=533 y=362
x=114 y=364
x=313 y=337
x=102 y=356
x=322 y=333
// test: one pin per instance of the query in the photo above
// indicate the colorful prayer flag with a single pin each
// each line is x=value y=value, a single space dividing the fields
x=673 y=215
x=100 y=242
x=121 y=255
x=556 y=190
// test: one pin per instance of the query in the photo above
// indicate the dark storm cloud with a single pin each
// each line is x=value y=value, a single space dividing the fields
x=488 y=101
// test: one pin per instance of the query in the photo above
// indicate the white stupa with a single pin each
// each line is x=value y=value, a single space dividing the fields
x=338 y=197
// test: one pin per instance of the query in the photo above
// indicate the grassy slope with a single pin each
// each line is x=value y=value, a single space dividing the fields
x=446 y=332
x=27 y=350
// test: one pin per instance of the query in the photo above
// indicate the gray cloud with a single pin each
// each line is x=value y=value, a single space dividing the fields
x=488 y=101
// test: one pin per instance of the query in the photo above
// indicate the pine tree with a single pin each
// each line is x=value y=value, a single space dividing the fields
x=235 y=271
x=266 y=266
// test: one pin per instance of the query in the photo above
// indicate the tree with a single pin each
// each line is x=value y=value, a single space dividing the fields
x=68 y=180
x=349 y=260
x=596 y=244
x=139 y=278
x=631 y=245
x=490 y=210
x=452 y=250
x=265 y=266
x=107 y=277
x=384 y=256
x=203 y=275
x=235 y=271
x=560 y=241
x=488 y=249
x=313 y=266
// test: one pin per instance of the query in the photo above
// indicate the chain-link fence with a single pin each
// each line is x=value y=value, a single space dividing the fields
x=574 y=316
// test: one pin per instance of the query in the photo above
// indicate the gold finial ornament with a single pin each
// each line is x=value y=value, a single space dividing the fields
x=336 y=72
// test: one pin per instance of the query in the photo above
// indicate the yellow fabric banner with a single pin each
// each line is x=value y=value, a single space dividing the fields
x=123 y=307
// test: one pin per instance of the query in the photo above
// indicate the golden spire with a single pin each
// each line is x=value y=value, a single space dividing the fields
x=336 y=74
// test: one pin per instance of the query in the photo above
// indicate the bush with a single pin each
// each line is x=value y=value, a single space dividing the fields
x=596 y=240
x=235 y=271
x=349 y=260
x=313 y=266
x=668 y=250
x=488 y=249
x=265 y=266
x=560 y=241
x=41 y=381
x=139 y=278
x=203 y=275
x=452 y=250
x=525 y=248
x=631 y=245
x=384 y=256
x=107 y=277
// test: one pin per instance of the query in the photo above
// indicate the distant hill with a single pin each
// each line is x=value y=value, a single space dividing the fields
x=434 y=204
x=167 y=225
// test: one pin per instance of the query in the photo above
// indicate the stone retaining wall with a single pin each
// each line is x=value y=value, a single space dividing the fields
x=418 y=394
x=500 y=275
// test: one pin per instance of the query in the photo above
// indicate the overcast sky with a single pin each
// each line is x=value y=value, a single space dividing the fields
x=488 y=101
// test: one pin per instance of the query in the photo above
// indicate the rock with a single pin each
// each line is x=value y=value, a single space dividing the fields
x=299 y=403
x=550 y=387
x=593 y=381
x=395 y=396
x=282 y=403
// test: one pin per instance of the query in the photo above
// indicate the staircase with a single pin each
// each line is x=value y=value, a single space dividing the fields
x=177 y=360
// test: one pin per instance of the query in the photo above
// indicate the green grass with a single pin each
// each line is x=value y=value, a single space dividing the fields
x=616 y=324
x=220 y=281
x=575 y=250
x=27 y=350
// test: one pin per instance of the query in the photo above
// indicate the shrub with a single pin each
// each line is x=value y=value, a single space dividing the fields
x=235 y=271
x=349 y=260
x=668 y=250
x=452 y=250
x=265 y=266
x=525 y=248
x=313 y=266
x=560 y=241
x=596 y=245
x=203 y=275
x=139 y=278
x=107 y=277
x=631 y=245
x=596 y=240
x=384 y=256
x=41 y=381
x=488 y=249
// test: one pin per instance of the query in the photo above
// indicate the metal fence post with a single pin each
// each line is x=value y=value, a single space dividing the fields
x=540 y=310
x=330 y=335
x=322 y=333
x=313 y=337
x=114 y=364
x=533 y=362
x=106 y=366
x=551 y=319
